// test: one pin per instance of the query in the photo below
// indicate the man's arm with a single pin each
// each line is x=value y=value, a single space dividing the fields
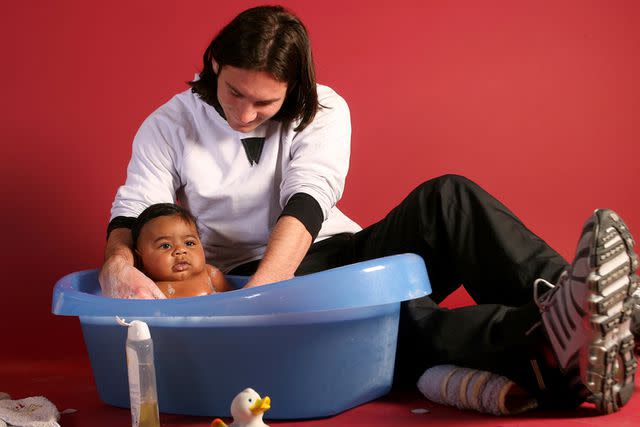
x=152 y=177
x=118 y=276
x=313 y=181
x=287 y=246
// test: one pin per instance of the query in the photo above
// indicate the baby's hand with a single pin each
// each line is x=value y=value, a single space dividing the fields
x=118 y=279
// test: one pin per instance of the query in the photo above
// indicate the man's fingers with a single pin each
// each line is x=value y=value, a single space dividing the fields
x=157 y=293
x=148 y=292
x=141 y=293
x=153 y=290
x=125 y=281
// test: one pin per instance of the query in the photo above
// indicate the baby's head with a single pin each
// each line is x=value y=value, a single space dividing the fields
x=166 y=241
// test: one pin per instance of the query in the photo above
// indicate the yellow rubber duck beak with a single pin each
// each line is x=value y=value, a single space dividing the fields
x=261 y=405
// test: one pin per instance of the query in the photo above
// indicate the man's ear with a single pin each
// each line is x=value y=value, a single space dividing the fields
x=215 y=66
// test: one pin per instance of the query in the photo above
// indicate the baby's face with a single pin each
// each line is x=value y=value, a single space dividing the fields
x=170 y=249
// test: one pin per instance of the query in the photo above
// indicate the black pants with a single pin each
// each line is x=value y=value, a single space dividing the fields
x=465 y=236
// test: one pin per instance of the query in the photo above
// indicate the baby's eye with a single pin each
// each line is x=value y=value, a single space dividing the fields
x=165 y=246
x=190 y=243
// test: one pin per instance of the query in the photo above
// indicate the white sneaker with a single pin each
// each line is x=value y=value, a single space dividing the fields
x=586 y=316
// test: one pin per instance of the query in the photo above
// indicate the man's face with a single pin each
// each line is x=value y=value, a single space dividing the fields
x=248 y=98
x=170 y=249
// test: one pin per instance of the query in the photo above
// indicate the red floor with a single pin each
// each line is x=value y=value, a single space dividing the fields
x=70 y=385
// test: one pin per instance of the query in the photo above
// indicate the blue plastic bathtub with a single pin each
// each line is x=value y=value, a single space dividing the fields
x=317 y=344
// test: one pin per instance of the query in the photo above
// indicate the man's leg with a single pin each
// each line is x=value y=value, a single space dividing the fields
x=465 y=237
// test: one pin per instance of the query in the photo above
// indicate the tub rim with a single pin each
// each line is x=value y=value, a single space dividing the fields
x=369 y=283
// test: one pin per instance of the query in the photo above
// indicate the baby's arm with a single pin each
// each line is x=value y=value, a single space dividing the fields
x=218 y=280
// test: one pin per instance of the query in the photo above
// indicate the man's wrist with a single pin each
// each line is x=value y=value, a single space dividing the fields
x=120 y=245
x=119 y=256
x=262 y=278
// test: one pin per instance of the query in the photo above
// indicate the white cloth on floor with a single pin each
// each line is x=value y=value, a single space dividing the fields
x=3 y=396
x=35 y=411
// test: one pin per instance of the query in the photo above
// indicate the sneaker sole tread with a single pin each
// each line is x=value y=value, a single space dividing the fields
x=610 y=367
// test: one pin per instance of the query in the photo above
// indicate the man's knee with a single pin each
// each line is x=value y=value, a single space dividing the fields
x=454 y=180
x=447 y=184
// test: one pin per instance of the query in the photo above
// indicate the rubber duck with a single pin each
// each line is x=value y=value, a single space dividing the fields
x=247 y=409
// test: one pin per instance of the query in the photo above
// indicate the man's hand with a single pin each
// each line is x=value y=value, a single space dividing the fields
x=288 y=244
x=119 y=279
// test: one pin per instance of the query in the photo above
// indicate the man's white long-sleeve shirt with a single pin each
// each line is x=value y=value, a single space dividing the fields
x=186 y=151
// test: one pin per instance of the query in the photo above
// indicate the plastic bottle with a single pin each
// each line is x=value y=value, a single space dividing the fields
x=142 y=375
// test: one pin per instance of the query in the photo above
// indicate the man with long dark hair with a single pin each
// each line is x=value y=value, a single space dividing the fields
x=259 y=152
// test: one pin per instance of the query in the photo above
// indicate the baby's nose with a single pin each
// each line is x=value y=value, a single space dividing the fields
x=180 y=250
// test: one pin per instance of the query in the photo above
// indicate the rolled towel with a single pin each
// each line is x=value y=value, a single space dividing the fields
x=481 y=391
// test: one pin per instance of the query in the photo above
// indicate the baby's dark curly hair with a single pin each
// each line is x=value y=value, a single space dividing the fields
x=155 y=211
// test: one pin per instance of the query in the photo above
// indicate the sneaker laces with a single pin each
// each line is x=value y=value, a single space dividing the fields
x=543 y=299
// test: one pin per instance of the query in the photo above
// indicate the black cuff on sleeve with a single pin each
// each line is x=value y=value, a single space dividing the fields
x=120 y=222
x=307 y=210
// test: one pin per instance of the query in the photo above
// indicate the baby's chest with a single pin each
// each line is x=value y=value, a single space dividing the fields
x=196 y=287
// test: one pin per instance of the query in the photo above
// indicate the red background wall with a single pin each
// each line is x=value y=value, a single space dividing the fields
x=539 y=102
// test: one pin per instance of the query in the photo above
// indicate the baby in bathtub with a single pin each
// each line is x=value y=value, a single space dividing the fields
x=168 y=250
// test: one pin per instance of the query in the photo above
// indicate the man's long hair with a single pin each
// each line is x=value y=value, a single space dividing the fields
x=269 y=39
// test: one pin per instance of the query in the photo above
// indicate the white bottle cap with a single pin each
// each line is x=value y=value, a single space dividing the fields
x=138 y=331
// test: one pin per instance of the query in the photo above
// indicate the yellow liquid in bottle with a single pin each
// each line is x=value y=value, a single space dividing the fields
x=149 y=414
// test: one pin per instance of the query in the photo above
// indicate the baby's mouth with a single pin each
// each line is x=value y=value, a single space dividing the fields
x=181 y=266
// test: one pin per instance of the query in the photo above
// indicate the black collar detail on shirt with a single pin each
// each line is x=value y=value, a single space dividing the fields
x=253 y=148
